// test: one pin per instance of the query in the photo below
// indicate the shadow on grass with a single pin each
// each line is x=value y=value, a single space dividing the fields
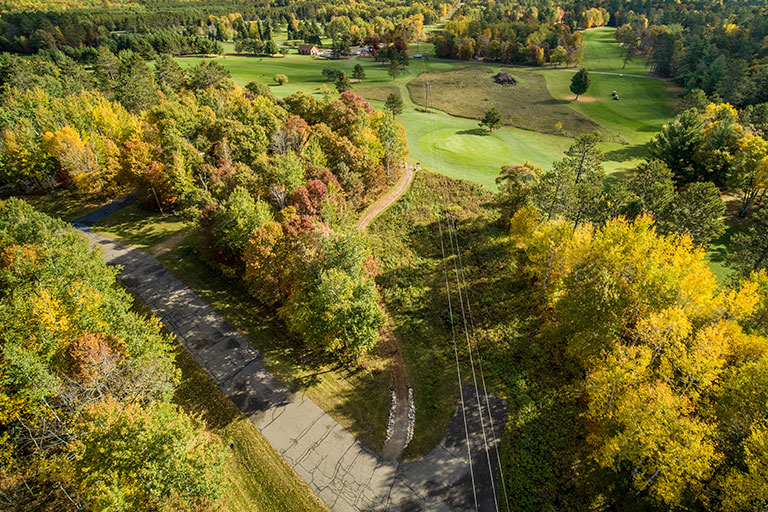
x=632 y=152
x=481 y=132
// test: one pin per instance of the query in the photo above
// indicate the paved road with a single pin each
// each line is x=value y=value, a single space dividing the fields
x=336 y=466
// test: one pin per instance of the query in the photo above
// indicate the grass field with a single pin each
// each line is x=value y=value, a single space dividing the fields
x=139 y=227
x=470 y=91
x=604 y=54
x=460 y=149
x=468 y=152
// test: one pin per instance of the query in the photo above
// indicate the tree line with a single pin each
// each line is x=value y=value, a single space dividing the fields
x=664 y=366
x=271 y=184
x=717 y=49
x=86 y=385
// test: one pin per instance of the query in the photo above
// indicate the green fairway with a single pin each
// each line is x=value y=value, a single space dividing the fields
x=460 y=149
x=465 y=150
x=604 y=54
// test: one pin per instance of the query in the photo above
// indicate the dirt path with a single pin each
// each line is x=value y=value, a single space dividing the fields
x=387 y=199
x=398 y=439
x=169 y=244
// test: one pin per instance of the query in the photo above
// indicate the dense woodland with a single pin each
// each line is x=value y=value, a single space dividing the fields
x=652 y=376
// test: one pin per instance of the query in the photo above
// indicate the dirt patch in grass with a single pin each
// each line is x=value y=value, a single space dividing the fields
x=469 y=92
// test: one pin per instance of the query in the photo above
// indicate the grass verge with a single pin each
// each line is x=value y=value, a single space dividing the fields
x=64 y=204
x=255 y=476
x=139 y=227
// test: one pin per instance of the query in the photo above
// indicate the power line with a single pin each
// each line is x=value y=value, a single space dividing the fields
x=450 y=313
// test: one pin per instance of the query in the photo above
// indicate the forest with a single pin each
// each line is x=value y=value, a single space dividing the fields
x=332 y=209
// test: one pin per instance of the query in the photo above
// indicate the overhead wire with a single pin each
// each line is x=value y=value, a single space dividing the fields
x=461 y=279
x=431 y=133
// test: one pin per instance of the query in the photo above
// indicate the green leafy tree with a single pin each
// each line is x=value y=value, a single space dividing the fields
x=168 y=74
x=238 y=218
x=338 y=311
x=750 y=247
x=106 y=70
x=516 y=184
x=393 y=142
x=573 y=188
x=394 y=70
x=359 y=72
x=280 y=79
x=491 y=119
x=677 y=144
x=698 y=210
x=394 y=103
x=653 y=191
x=260 y=89
x=136 y=90
x=343 y=83
x=580 y=82
x=208 y=74
x=558 y=56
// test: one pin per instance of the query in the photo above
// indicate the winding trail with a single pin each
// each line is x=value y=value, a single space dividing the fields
x=338 y=468
x=387 y=199
x=397 y=442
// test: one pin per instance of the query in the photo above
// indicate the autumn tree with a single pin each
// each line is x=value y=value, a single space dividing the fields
x=86 y=382
x=338 y=311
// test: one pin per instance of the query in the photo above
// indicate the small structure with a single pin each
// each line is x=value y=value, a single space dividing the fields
x=503 y=78
x=308 y=49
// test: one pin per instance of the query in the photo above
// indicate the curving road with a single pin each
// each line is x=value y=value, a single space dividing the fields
x=338 y=468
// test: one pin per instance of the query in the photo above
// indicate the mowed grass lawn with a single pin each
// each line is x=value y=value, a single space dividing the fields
x=139 y=227
x=604 y=54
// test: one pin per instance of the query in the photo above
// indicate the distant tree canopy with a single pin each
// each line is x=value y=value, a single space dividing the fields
x=86 y=384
